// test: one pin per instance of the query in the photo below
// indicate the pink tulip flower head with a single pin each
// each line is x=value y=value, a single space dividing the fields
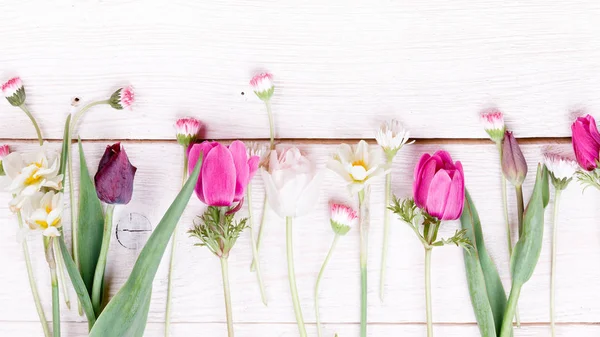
x=225 y=172
x=123 y=98
x=188 y=130
x=4 y=151
x=263 y=87
x=439 y=186
x=586 y=142
x=14 y=91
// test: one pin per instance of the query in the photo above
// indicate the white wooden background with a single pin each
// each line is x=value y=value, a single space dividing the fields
x=341 y=68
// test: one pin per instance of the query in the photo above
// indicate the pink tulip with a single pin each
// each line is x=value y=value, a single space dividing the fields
x=225 y=172
x=439 y=186
x=586 y=142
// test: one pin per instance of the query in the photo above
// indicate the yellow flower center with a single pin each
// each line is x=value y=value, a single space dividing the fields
x=33 y=179
x=359 y=170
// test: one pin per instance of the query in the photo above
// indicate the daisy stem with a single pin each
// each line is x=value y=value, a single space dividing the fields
x=172 y=258
x=428 y=291
x=261 y=231
x=553 y=268
x=271 y=123
x=33 y=121
x=292 y=277
x=386 y=231
x=263 y=295
x=363 y=229
x=321 y=272
x=100 y=267
x=227 y=293
x=34 y=290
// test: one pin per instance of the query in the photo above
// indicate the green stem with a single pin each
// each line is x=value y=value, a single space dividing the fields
x=321 y=272
x=61 y=276
x=34 y=290
x=172 y=258
x=261 y=232
x=292 y=277
x=520 y=207
x=510 y=311
x=33 y=121
x=363 y=230
x=386 y=233
x=227 y=293
x=271 y=124
x=101 y=266
x=261 y=285
x=74 y=226
x=553 y=269
x=428 y=292
x=51 y=259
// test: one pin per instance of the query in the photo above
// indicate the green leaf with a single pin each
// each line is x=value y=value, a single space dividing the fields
x=90 y=224
x=485 y=286
x=78 y=284
x=127 y=312
x=66 y=146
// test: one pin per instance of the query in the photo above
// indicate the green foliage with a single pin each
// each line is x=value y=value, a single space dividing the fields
x=66 y=147
x=589 y=178
x=217 y=230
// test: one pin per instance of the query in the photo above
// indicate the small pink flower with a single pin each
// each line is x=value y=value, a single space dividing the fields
x=493 y=123
x=4 y=151
x=343 y=218
x=14 y=91
x=188 y=130
x=123 y=98
x=263 y=87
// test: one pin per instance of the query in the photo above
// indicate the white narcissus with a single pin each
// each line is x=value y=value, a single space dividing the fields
x=29 y=173
x=291 y=183
x=44 y=213
x=357 y=165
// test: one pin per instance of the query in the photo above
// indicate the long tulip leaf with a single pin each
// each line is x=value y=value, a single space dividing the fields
x=90 y=224
x=78 y=284
x=126 y=313
x=66 y=147
x=485 y=286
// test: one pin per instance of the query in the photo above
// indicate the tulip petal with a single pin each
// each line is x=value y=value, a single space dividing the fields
x=420 y=164
x=242 y=171
x=309 y=196
x=193 y=155
x=437 y=196
x=456 y=195
x=114 y=179
x=423 y=181
x=218 y=177
x=272 y=193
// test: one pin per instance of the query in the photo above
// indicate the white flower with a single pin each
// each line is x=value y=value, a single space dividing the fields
x=357 y=166
x=263 y=87
x=560 y=165
x=259 y=150
x=343 y=218
x=391 y=137
x=291 y=183
x=187 y=130
x=44 y=213
x=29 y=173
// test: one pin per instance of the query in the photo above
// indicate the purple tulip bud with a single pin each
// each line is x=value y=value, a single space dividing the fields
x=514 y=165
x=586 y=142
x=114 y=179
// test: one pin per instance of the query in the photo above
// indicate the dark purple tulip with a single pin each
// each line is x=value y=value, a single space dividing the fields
x=114 y=179
x=514 y=165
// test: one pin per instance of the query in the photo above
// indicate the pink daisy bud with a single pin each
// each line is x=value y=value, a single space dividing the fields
x=343 y=218
x=493 y=123
x=14 y=91
x=188 y=130
x=122 y=98
x=4 y=151
x=263 y=87
x=562 y=167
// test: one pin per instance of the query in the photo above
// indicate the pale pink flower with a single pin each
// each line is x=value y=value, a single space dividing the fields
x=263 y=87
x=561 y=165
x=343 y=218
x=4 y=151
x=188 y=130
x=14 y=91
x=123 y=98
x=493 y=123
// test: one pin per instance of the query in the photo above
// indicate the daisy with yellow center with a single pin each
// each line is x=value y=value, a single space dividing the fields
x=357 y=165
x=45 y=213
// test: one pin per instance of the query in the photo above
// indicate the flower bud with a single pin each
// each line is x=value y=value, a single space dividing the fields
x=4 y=151
x=343 y=218
x=493 y=123
x=586 y=142
x=114 y=179
x=562 y=168
x=392 y=137
x=188 y=130
x=514 y=165
x=263 y=87
x=122 y=98
x=14 y=91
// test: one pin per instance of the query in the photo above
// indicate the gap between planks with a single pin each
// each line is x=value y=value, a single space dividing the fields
x=528 y=324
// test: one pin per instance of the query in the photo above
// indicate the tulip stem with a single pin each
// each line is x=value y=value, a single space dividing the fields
x=227 y=293
x=321 y=272
x=101 y=266
x=553 y=268
x=255 y=258
x=74 y=225
x=33 y=121
x=510 y=311
x=386 y=233
x=364 y=238
x=271 y=123
x=172 y=258
x=34 y=290
x=50 y=258
x=428 y=292
x=61 y=277
x=520 y=207
x=261 y=232
x=292 y=277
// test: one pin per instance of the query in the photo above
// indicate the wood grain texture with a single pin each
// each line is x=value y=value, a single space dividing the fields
x=198 y=300
x=341 y=67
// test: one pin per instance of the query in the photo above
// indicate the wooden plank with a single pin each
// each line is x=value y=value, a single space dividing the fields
x=198 y=292
x=340 y=67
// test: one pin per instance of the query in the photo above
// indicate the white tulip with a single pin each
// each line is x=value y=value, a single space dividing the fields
x=291 y=183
